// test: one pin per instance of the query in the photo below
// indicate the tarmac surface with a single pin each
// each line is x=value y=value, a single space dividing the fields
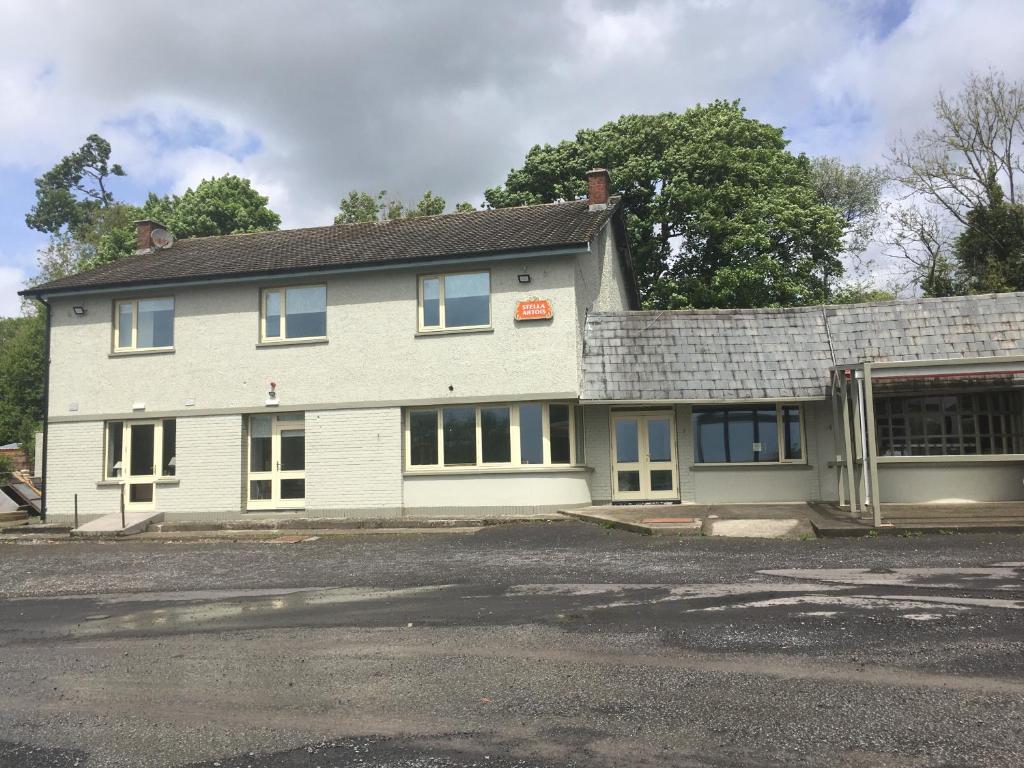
x=546 y=644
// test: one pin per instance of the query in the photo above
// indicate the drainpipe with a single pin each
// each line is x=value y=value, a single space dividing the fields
x=46 y=407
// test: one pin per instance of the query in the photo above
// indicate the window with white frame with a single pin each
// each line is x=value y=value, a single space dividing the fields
x=293 y=312
x=755 y=434
x=455 y=301
x=978 y=423
x=143 y=448
x=142 y=324
x=526 y=434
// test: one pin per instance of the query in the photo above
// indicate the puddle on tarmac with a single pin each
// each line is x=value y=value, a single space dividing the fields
x=187 y=616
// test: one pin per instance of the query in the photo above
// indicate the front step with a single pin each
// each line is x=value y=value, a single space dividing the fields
x=109 y=526
x=13 y=517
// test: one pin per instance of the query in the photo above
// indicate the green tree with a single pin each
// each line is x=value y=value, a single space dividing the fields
x=989 y=251
x=21 y=379
x=720 y=213
x=227 y=205
x=69 y=195
x=362 y=207
x=969 y=168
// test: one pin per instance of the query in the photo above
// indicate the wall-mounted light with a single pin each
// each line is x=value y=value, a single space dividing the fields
x=78 y=309
x=524 y=278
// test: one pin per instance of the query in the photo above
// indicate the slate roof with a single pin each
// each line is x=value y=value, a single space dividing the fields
x=502 y=230
x=783 y=353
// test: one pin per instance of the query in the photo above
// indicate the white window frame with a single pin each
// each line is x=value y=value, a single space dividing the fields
x=441 y=327
x=778 y=431
x=275 y=474
x=515 y=453
x=158 y=447
x=116 y=330
x=283 y=337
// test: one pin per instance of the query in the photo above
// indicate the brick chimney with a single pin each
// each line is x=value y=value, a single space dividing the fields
x=598 y=183
x=144 y=233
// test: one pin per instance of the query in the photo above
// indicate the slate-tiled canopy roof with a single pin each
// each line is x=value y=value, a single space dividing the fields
x=784 y=353
x=503 y=230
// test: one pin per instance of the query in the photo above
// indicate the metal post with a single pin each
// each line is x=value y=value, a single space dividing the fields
x=123 y=524
x=76 y=510
x=869 y=406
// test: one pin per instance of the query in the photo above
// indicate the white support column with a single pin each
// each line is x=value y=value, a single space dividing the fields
x=872 y=463
x=848 y=444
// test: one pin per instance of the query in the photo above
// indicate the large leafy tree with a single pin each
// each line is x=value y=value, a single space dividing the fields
x=966 y=173
x=720 y=213
x=989 y=252
x=72 y=194
x=227 y=205
x=362 y=207
x=21 y=379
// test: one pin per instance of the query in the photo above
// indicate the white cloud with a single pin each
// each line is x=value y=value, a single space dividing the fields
x=12 y=280
x=313 y=100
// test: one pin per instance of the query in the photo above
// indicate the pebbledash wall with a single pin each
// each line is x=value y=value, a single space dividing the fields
x=352 y=388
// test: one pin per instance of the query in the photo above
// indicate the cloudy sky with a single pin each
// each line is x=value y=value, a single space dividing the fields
x=312 y=99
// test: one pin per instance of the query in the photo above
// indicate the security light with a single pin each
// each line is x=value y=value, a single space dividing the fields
x=78 y=310
x=524 y=278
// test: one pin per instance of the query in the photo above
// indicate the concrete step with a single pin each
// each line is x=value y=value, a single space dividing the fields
x=13 y=517
x=109 y=526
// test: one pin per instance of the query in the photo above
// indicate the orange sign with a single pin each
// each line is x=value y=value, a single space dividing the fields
x=534 y=309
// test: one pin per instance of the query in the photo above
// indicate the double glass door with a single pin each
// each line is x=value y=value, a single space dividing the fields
x=277 y=461
x=138 y=453
x=643 y=449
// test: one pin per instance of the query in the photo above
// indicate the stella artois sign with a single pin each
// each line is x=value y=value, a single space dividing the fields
x=534 y=309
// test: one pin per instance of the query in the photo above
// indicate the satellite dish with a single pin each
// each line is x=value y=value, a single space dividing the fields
x=161 y=238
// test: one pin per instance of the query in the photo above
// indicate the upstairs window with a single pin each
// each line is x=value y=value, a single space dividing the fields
x=455 y=301
x=295 y=312
x=141 y=324
x=759 y=434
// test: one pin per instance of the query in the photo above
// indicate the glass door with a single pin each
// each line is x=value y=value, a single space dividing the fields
x=277 y=461
x=140 y=477
x=643 y=457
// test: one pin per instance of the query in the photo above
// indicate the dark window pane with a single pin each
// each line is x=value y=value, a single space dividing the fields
x=431 y=302
x=467 y=300
x=293 y=450
x=791 y=432
x=169 y=438
x=459 y=436
x=659 y=439
x=272 y=314
x=259 y=444
x=293 y=489
x=259 y=490
x=767 y=434
x=140 y=494
x=661 y=479
x=496 y=434
x=306 y=312
x=740 y=433
x=629 y=481
x=558 y=422
x=627 y=441
x=142 y=446
x=531 y=434
x=709 y=437
x=115 y=444
x=156 y=323
x=423 y=438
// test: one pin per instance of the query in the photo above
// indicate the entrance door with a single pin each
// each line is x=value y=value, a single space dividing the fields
x=140 y=476
x=644 y=457
x=277 y=461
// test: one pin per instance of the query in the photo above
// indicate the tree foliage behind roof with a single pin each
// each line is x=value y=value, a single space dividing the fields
x=720 y=213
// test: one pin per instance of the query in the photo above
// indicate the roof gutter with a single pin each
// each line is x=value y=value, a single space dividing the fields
x=251 y=277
